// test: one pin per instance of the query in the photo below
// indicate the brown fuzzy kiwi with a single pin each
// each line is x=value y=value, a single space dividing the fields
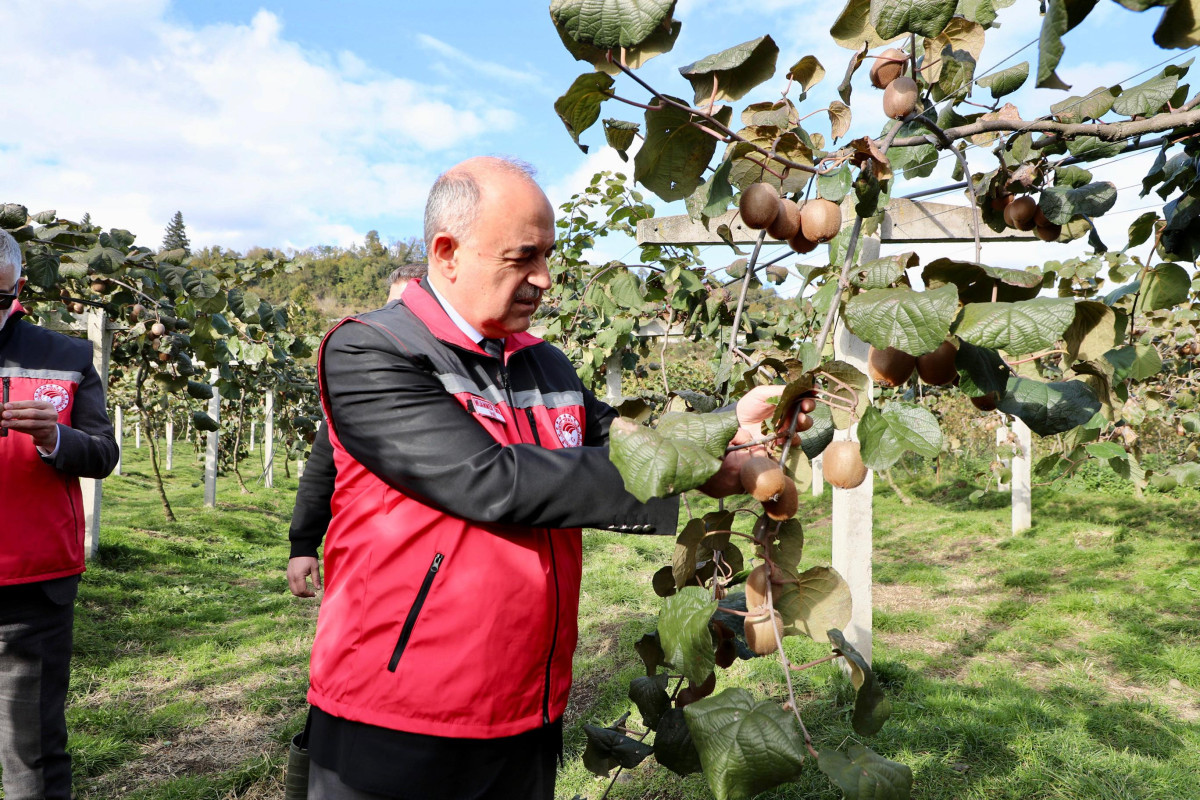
x=900 y=97
x=804 y=422
x=759 y=205
x=1020 y=213
x=842 y=465
x=890 y=366
x=799 y=244
x=787 y=222
x=808 y=404
x=937 y=368
x=762 y=478
x=1048 y=233
x=888 y=66
x=820 y=220
x=786 y=504
x=157 y=329
x=986 y=402
x=756 y=586
x=1001 y=201
x=760 y=632
x=1039 y=219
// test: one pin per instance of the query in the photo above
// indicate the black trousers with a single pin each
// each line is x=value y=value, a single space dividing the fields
x=35 y=668
x=353 y=761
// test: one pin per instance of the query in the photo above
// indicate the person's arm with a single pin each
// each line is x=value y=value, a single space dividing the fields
x=396 y=419
x=311 y=516
x=87 y=447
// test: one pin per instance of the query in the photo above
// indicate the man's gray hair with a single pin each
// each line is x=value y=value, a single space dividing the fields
x=408 y=272
x=10 y=254
x=453 y=204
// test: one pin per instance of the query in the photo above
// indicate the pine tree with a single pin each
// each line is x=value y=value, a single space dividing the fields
x=176 y=235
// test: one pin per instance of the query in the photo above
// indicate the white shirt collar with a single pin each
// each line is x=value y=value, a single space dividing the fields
x=464 y=326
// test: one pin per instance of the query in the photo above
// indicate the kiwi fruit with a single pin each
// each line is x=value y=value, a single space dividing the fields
x=759 y=205
x=157 y=329
x=756 y=586
x=1001 y=201
x=842 y=465
x=888 y=66
x=76 y=308
x=820 y=220
x=137 y=311
x=787 y=222
x=890 y=366
x=808 y=405
x=900 y=97
x=760 y=632
x=762 y=478
x=1020 y=213
x=804 y=422
x=1048 y=233
x=786 y=504
x=801 y=245
x=937 y=368
x=99 y=286
x=986 y=402
x=692 y=692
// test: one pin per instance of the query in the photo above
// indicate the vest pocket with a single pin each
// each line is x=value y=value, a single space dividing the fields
x=411 y=620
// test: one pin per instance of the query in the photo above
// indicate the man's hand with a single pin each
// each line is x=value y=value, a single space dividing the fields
x=757 y=406
x=298 y=570
x=34 y=417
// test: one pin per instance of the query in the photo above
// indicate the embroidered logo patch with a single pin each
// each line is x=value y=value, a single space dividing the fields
x=56 y=395
x=486 y=408
x=569 y=431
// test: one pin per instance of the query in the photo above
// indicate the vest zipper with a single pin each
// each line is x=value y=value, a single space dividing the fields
x=4 y=431
x=411 y=620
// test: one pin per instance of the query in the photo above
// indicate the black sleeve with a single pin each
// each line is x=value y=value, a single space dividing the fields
x=311 y=515
x=87 y=447
x=600 y=416
x=396 y=419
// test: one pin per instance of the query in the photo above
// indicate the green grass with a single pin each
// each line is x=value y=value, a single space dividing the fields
x=1062 y=663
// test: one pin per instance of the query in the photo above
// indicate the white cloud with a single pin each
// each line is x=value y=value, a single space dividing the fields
x=128 y=115
x=460 y=62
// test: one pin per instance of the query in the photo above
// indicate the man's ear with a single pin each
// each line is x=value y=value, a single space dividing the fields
x=441 y=253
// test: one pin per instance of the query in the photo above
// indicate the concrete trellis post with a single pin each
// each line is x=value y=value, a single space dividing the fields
x=818 y=479
x=1022 y=486
x=269 y=440
x=99 y=332
x=119 y=425
x=137 y=435
x=212 y=452
x=170 y=443
x=253 y=426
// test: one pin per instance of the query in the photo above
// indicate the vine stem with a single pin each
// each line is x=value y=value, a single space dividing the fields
x=641 y=737
x=1036 y=356
x=799 y=668
x=940 y=136
x=787 y=673
x=737 y=317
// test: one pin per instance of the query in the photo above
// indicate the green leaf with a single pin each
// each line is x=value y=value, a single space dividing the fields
x=579 y=108
x=1017 y=328
x=886 y=436
x=814 y=440
x=608 y=749
x=1049 y=408
x=747 y=164
x=662 y=40
x=1147 y=98
x=673 y=745
x=817 y=601
x=976 y=282
x=747 y=746
x=1091 y=148
x=839 y=119
x=1072 y=176
x=620 y=134
x=683 y=563
x=923 y=17
x=852 y=29
x=1061 y=204
x=13 y=215
x=653 y=465
x=610 y=23
x=915 y=322
x=981 y=11
x=849 y=376
x=1006 y=81
x=862 y=774
x=1105 y=450
x=714 y=196
x=663 y=582
x=807 y=72
x=649 y=648
x=1094 y=105
x=710 y=431
x=41 y=266
x=733 y=72
x=1141 y=229
x=199 y=391
x=672 y=159
x=245 y=305
x=683 y=632
x=203 y=422
x=626 y=289
x=981 y=370
x=834 y=186
x=1180 y=25
x=871 y=706
x=1165 y=286
x=1061 y=16
x=1096 y=329
x=649 y=694
x=883 y=272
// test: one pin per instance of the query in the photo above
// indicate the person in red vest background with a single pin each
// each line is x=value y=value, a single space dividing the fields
x=53 y=430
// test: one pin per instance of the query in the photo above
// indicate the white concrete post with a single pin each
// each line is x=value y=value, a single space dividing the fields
x=137 y=435
x=211 y=455
x=853 y=513
x=170 y=443
x=93 y=490
x=299 y=468
x=612 y=379
x=253 y=425
x=269 y=440
x=120 y=426
x=1022 y=484
x=818 y=482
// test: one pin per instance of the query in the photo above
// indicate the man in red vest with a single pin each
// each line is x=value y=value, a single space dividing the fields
x=53 y=430
x=468 y=456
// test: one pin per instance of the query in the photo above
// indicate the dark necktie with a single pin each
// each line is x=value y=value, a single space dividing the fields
x=493 y=347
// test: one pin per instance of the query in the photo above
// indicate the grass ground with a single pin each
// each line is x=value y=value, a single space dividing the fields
x=1062 y=663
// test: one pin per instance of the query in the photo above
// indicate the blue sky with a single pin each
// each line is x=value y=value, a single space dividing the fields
x=291 y=124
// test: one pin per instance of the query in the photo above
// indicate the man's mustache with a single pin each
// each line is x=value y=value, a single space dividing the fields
x=528 y=294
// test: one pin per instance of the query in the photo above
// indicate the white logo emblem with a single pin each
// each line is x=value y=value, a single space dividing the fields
x=54 y=394
x=569 y=431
